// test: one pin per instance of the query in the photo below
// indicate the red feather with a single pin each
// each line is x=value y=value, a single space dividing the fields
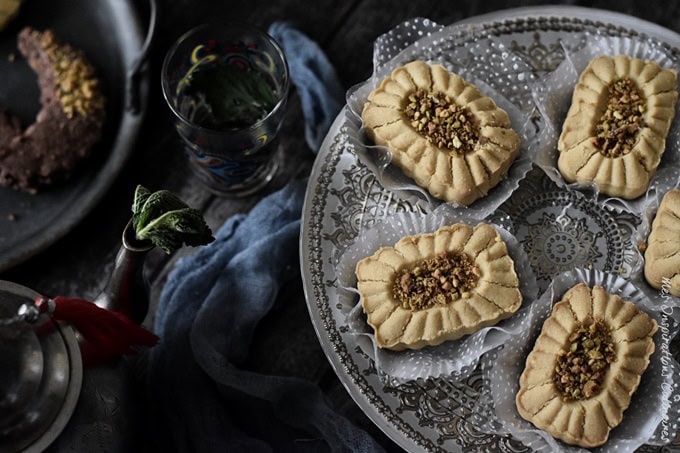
x=107 y=333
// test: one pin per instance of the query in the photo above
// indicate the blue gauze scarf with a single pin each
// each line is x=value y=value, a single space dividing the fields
x=199 y=398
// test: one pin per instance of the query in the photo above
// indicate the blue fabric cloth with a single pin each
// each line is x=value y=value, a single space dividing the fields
x=321 y=94
x=200 y=400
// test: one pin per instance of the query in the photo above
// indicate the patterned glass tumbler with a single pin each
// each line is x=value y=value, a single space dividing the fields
x=227 y=88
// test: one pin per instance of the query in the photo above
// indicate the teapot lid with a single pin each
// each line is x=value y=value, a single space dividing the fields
x=42 y=389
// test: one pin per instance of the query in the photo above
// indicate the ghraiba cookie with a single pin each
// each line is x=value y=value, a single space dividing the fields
x=443 y=132
x=662 y=256
x=615 y=131
x=439 y=286
x=585 y=366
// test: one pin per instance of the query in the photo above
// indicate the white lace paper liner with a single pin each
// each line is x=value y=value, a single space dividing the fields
x=651 y=418
x=457 y=358
x=553 y=99
x=640 y=235
x=499 y=78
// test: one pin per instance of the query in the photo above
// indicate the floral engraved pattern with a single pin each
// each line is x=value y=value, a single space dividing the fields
x=562 y=230
x=559 y=243
x=437 y=404
x=357 y=184
x=627 y=223
x=361 y=202
x=540 y=56
x=447 y=407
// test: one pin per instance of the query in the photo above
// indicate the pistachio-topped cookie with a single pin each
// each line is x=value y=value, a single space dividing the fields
x=8 y=10
x=439 y=286
x=442 y=131
x=615 y=130
x=585 y=366
x=662 y=257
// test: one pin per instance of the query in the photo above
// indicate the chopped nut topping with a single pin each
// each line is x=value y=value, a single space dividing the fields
x=582 y=366
x=616 y=133
x=642 y=246
x=77 y=86
x=442 y=122
x=436 y=281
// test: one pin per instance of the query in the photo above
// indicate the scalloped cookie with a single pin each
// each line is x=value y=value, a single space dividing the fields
x=585 y=366
x=615 y=130
x=8 y=11
x=662 y=257
x=438 y=286
x=442 y=131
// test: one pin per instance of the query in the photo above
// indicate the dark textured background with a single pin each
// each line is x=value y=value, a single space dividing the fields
x=346 y=31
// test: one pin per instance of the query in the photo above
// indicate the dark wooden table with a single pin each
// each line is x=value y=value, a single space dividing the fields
x=346 y=31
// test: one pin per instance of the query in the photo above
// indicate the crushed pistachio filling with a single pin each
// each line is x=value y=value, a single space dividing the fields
x=582 y=366
x=616 y=132
x=436 y=281
x=441 y=121
x=77 y=86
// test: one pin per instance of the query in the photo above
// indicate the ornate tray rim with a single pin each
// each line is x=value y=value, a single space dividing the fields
x=315 y=202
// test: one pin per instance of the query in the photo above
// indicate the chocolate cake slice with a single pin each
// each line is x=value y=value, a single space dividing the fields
x=68 y=125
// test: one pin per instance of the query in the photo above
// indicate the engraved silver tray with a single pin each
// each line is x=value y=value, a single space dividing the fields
x=559 y=229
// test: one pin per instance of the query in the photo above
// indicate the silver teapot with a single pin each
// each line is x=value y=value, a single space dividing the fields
x=44 y=391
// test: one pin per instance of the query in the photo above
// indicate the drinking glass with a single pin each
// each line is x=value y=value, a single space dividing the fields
x=227 y=88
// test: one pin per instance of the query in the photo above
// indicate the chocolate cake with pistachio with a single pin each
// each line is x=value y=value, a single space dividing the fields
x=70 y=120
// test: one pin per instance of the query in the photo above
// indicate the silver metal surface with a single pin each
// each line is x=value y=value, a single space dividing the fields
x=22 y=365
x=343 y=197
x=43 y=377
x=127 y=290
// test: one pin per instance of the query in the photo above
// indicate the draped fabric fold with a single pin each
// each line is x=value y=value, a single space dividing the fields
x=200 y=398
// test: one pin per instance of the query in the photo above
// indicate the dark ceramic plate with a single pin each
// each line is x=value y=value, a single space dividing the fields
x=110 y=34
